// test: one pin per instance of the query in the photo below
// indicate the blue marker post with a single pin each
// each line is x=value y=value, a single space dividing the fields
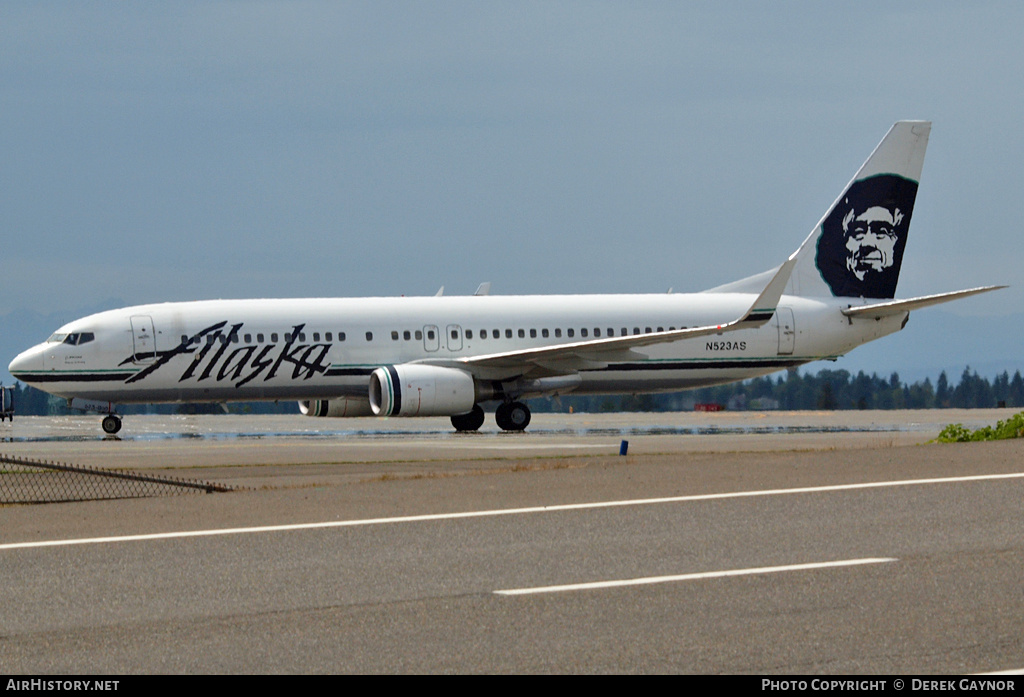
x=624 y=447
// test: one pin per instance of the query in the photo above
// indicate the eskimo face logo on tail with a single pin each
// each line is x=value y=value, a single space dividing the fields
x=860 y=249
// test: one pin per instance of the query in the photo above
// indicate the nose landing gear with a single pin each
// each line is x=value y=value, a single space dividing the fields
x=111 y=424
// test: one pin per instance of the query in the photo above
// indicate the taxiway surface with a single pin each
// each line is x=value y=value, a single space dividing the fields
x=743 y=542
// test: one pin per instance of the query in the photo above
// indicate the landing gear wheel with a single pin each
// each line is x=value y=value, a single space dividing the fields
x=512 y=416
x=111 y=424
x=471 y=421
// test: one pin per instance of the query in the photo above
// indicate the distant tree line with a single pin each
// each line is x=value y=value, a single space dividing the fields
x=28 y=401
x=791 y=391
x=825 y=390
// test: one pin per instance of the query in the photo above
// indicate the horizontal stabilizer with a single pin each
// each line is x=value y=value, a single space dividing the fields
x=896 y=307
x=750 y=284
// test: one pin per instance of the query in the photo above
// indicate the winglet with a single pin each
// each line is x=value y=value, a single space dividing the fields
x=760 y=312
x=764 y=307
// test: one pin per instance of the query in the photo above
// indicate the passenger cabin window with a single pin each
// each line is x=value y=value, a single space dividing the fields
x=327 y=336
x=394 y=336
x=369 y=336
x=522 y=333
x=558 y=333
x=418 y=335
x=508 y=333
x=570 y=332
x=248 y=338
x=469 y=333
x=259 y=338
x=341 y=336
x=544 y=333
x=583 y=332
x=273 y=336
x=316 y=336
x=495 y=334
x=533 y=333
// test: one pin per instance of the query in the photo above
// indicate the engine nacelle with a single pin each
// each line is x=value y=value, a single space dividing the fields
x=338 y=407
x=421 y=390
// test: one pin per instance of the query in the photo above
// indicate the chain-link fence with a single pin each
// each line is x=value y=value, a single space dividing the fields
x=33 y=481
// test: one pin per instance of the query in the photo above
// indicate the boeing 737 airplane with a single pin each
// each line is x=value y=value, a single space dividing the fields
x=445 y=356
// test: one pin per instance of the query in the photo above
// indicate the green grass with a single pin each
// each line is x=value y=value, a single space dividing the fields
x=1013 y=427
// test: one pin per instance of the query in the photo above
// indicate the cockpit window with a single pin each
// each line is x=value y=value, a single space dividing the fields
x=73 y=339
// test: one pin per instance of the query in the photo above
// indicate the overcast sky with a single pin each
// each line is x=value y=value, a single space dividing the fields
x=177 y=151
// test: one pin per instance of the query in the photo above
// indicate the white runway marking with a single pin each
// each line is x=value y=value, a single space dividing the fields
x=1014 y=671
x=469 y=445
x=692 y=577
x=507 y=511
x=536 y=446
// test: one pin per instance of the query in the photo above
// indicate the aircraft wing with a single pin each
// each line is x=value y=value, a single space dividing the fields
x=560 y=359
x=895 y=307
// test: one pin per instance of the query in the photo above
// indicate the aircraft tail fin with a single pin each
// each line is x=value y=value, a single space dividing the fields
x=856 y=249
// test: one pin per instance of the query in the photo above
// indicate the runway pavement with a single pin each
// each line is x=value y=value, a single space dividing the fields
x=833 y=542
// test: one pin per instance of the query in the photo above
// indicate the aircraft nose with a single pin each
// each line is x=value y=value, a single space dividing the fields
x=26 y=362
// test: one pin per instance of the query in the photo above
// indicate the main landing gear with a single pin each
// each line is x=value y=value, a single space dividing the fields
x=111 y=424
x=471 y=421
x=510 y=416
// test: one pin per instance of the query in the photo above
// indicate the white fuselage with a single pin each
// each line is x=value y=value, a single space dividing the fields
x=314 y=349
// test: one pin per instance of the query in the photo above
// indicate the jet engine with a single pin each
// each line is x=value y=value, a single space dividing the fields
x=341 y=406
x=412 y=389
